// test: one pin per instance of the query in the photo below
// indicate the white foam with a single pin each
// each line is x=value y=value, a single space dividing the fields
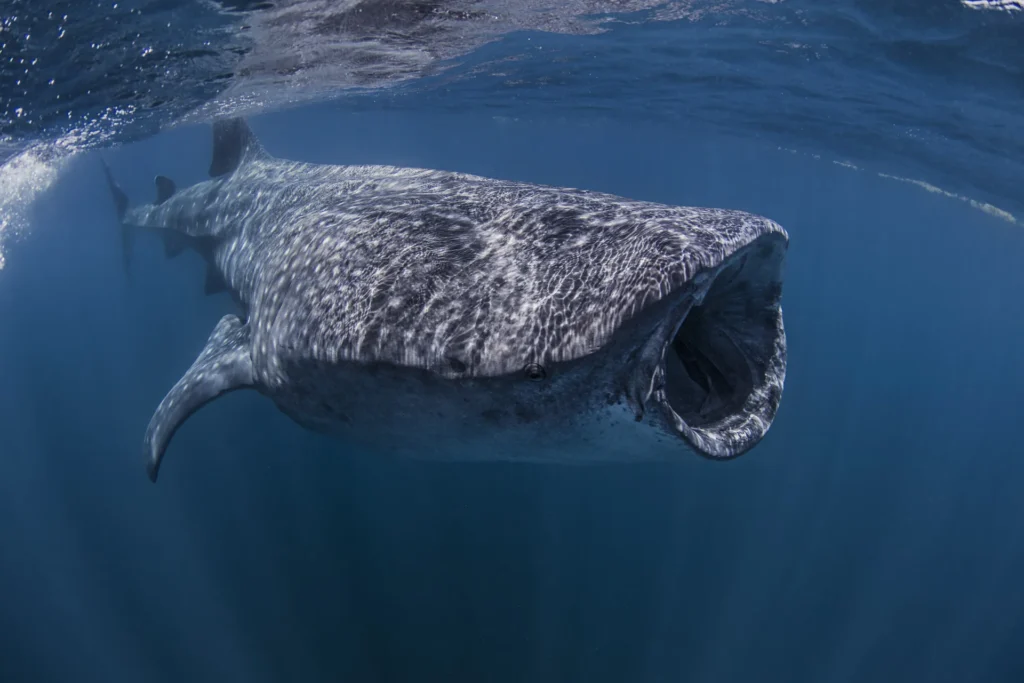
x=24 y=177
x=999 y=5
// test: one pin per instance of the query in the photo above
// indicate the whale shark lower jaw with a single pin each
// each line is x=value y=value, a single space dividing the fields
x=721 y=361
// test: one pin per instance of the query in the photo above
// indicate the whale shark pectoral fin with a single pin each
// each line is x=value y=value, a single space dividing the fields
x=223 y=365
x=234 y=143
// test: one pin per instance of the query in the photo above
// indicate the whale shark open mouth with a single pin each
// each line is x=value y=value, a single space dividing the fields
x=724 y=366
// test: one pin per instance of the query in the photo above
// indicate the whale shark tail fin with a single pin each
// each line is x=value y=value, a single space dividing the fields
x=234 y=144
x=121 y=205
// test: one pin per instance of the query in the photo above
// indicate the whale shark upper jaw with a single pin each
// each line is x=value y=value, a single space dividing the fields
x=713 y=374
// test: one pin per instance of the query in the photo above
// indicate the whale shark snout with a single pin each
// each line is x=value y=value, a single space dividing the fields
x=450 y=316
x=719 y=380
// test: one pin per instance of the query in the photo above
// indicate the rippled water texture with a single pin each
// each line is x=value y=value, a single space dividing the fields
x=930 y=90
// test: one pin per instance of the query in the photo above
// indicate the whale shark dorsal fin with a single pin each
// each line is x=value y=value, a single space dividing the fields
x=234 y=143
x=223 y=365
x=165 y=188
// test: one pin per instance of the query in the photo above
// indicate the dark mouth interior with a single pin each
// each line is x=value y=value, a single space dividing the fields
x=721 y=352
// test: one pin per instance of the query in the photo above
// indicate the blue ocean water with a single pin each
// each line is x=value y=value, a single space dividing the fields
x=876 y=534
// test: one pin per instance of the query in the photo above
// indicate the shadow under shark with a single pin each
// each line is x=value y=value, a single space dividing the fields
x=448 y=316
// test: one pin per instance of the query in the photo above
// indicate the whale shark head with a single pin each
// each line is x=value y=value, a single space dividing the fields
x=679 y=325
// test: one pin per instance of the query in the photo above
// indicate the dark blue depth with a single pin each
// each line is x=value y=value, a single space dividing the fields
x=876 y=535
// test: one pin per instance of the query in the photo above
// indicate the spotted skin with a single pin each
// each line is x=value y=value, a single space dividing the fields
x=411 y=309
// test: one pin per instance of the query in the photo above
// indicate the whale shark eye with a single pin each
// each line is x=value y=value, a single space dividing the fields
x=535 y=372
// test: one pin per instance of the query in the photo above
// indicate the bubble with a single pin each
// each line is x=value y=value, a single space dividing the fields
x=24 y=177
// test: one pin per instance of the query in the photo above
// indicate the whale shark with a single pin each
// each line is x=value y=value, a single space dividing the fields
x=449 y=316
